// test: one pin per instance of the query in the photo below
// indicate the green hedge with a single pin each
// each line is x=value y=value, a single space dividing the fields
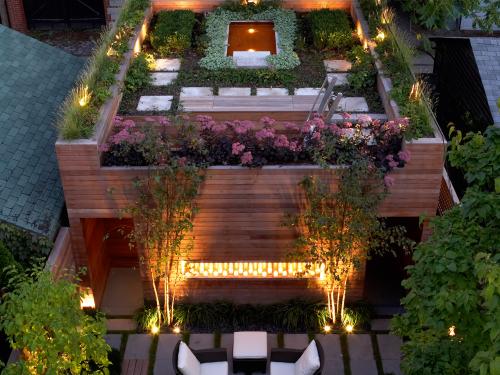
x=331 y=30
x=23 y=245
x=172 y=32
x=6 y=260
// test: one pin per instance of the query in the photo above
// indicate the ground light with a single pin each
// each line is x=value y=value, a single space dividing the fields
x=176 y=330
x=155 y=329
x=349 y=328
x=327 y=328
x=451 y=331
x=84 y=96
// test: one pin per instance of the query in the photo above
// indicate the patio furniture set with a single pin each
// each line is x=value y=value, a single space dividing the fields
x=250 y=355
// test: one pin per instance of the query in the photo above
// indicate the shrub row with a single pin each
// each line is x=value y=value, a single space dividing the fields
x=23 y=245
x=331 y=30
x=172 y=32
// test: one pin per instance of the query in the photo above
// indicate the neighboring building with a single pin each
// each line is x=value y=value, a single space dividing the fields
x=35 y=79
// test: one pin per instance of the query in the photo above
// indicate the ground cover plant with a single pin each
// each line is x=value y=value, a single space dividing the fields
x=171 y=34
x=81 y=108
x=451 y=323
x=206 y=142
x=331 y=30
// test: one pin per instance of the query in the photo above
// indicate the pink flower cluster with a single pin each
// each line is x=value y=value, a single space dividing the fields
x=237 y=148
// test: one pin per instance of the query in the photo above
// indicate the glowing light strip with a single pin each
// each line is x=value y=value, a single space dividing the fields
x=247 y=270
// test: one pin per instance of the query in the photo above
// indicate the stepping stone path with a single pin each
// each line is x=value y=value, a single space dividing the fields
x=135 y=359
x=355 y=104
x=262 y=91
x=167 y=65
x=235 y=91
x=337 y=65
x=341 y=78
x=196 y=91
x=114 y=340
x=361 y=355
x=166 y=345
x=121 y=325
x=155 y=103
x=296 y=341
x=163 y=79
x=390 y=352
x=307 y=91
x=201 y=341
x=334 y=364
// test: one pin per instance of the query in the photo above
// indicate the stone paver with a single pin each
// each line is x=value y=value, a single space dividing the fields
x=307 y=91
x=341 y=78
x=167 y=65
x=197 y=91
x=337 y=65
x=296 y=341
x=163 y=79
x=121 y=325
x=124 y=293
x=201 y=341
x=155 y=103
x=334 y=363
x=381 y=324
x=272 y=91
x=114 y=340
x=138 y=346
x=390 y=352
x=251 y=59
x=361 y=355
x=355 y=104
x=235 y=91
x=164 y=352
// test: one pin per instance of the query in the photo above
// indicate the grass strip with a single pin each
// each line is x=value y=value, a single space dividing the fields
x=152 y=354
x=376 y=354
x=344 y=347
x=217 y=339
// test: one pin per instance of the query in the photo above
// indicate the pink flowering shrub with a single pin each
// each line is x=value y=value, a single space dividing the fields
x=205 y=141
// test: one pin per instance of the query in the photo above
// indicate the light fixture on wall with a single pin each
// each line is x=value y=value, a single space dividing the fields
x=87 y=299
x=251 y=2
x=251 y=31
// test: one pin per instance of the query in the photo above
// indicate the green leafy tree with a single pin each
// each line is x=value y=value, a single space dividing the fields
x=339 y=227
x=163 y=214
x=453 y=302
x=435 y=14
x=43 y=320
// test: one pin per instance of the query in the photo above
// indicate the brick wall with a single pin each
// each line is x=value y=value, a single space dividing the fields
x=17 y=17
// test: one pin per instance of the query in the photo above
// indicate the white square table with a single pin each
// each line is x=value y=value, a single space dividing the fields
x=250 y=352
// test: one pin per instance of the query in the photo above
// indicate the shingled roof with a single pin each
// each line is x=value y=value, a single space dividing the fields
x=35 y=79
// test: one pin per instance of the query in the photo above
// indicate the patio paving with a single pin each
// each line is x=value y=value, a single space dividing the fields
x=271 y=91
x=334 y=363
x=235 y=91
x=296 y=341
x=390 y=352
x=163 y=79
x=337 y=65
x=196 y=91
x=123 y=294
x=354 y=104
x=155 y=103
x=361 y=355
x=307 y=91
x=381 y=324
x=341 y=78
x=166 y=345
x=114 y=340
x=121 y=325
x=201 y=341
x=167 y=65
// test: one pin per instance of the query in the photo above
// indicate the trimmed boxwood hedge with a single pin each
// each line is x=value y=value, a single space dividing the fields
x=331 y=29
x=172 y=32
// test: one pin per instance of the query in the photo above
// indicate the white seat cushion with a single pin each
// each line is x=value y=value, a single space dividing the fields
x=250 y=345
x=187 y=363
x=282 y=368
x=309 y=361
x=214 y=368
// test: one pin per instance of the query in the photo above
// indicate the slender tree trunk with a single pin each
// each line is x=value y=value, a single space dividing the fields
x=343 y=296
x=157 y=298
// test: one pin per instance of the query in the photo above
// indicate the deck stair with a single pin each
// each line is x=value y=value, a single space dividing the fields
x=328 y=101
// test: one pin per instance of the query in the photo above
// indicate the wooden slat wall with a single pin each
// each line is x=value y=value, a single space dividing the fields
x=241 y=212
x=207 y=5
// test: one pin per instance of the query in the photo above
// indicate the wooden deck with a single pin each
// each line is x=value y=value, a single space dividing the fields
x=135 y=367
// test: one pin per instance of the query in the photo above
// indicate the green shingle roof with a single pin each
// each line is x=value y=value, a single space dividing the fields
x=34 y=80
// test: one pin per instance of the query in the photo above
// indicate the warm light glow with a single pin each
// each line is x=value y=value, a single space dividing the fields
x=87 y=299
x=387 y=16
x=251 y=31
x=349 y=328
x=251 y=50
x=380 y=35
x=84 y=96
x=451 y=331
x=327 y=328
x=252 y=270
x=416 y=91
x=155 y=329
x=176 y=330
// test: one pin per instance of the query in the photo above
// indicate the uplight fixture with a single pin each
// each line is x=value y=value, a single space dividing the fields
x=84 y=96
x=251 y=31
x=327 y=328
x=176 y=330
x=451 y=331
x=251 y=2
x=380 y=35
x=155 y=329
x=349 y=328
x=251 y=50
x=87 y=301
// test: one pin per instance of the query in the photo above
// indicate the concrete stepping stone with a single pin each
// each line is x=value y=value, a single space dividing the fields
x=121 y=325
x=337 y=65
x=334 y=364
x=155 y=103
x=114 y=340
x=361 y=355
x=163 y=79
x=296 y=341
x=341 y=78
x=307 y=91
x=167 y=65
x=201 y=341
x=381 y=324
x=390 y=352
x=138 y=346
x=235 y=91
x=197 y=91
x=273 y=91
x=164 y=352
x=353 y=104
